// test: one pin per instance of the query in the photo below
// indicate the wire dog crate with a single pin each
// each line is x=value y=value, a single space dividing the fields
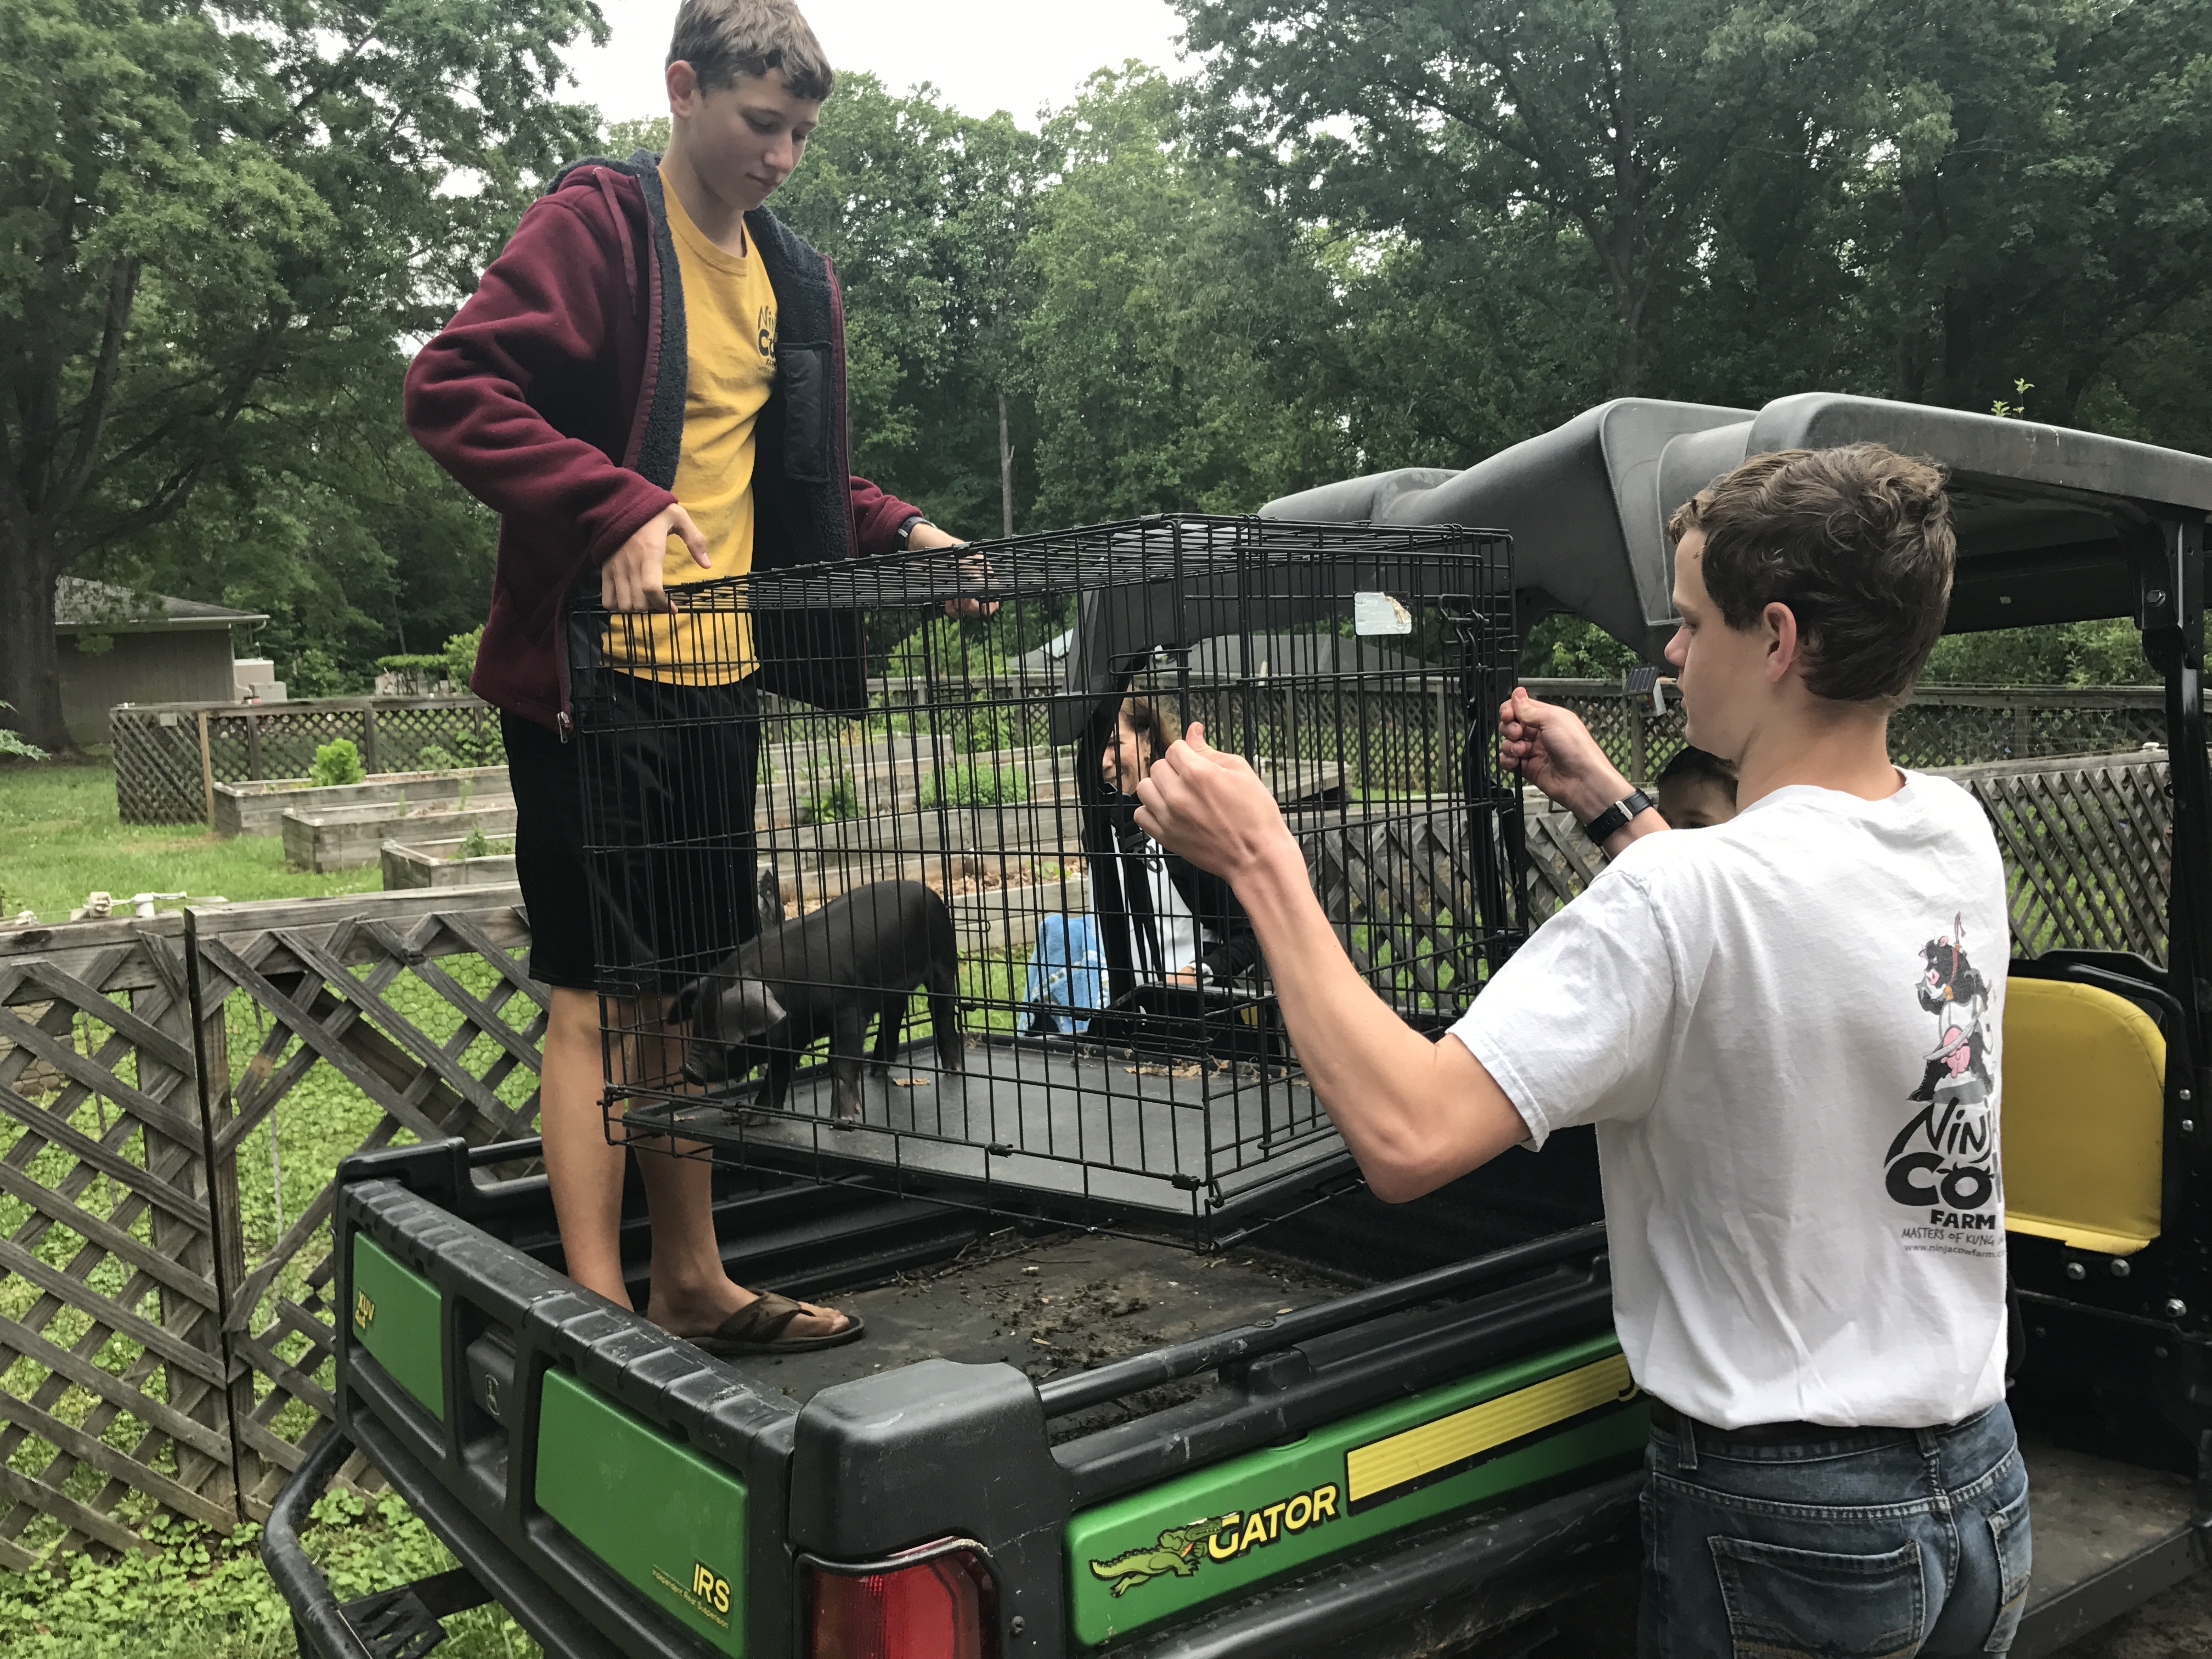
x=869 y=900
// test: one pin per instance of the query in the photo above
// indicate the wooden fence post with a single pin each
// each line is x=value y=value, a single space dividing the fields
x=253 y=745
x=207 y=770
x=368 y=738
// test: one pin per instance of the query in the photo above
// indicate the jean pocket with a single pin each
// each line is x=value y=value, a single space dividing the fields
x=1808 y=1604
x=2009 y=1530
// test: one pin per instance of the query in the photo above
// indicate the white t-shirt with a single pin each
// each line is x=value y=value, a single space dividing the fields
x=1176 y=929
x=1786 y=1029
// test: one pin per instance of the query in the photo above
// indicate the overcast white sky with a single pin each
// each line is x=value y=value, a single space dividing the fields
x=981 y=55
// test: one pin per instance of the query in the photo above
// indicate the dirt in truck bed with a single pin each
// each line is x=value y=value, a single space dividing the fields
x=1051 y=1305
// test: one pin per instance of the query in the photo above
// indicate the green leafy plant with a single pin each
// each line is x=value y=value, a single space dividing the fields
x=474 y=845
x=459 y=658
x=2011 y=411
x=976 y=785
x=315 y=673
x=13 y=742
x=485 y=748
x=336 y=763
x=431 y=757
x=990 y=726
x=833 y=803
x=413 y=662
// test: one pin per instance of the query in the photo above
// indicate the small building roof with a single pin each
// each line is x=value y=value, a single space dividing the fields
x=84 y=606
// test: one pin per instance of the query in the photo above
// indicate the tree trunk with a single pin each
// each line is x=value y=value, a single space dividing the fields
x=30 y=656
x=1005 y=471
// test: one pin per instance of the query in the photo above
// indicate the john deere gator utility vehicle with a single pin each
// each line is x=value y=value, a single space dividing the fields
x=1345 y=1428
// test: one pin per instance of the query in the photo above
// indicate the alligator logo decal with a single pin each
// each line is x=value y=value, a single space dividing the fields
x=1225 y=1537
x=1176 y=1553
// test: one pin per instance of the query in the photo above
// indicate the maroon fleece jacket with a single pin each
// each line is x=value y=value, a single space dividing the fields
x=556 y=398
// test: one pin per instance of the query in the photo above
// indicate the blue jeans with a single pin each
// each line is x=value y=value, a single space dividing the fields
x=1888 y=1542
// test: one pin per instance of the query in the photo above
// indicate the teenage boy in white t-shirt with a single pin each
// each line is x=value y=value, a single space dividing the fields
x=1786 y=1031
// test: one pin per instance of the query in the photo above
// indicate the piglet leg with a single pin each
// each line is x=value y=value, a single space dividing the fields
x=846 y=1033
x=889 y=1025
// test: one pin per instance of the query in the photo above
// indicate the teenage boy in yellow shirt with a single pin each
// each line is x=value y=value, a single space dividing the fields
x=650 y=382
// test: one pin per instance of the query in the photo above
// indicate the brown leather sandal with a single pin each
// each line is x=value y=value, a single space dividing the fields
x=758 y=1328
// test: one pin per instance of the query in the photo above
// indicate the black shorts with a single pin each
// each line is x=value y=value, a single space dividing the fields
x=634 y=841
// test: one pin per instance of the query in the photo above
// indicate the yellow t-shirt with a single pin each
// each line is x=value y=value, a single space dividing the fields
x=729 y=324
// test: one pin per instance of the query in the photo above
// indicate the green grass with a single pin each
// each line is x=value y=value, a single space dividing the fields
x=60 y=839
x=206 y=1597
x=198 y=1594
x=320 y=1120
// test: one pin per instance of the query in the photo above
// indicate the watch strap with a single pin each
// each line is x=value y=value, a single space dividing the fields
x=1616 y=817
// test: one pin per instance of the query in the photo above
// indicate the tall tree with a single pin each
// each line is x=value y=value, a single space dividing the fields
x=923 y=209
x=1181 y=346
x=2043 y=200
x=212 y=210
x=1616 y=117
x=321 y=513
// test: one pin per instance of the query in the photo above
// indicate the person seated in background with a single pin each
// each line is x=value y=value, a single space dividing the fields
x=1187 y=926
x=1696 y=791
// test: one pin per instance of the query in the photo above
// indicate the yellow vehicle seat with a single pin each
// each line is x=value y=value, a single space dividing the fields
x=2084 y=1116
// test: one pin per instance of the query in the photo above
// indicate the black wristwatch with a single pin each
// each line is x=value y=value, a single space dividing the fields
x=905 y=531
x=1616 y=817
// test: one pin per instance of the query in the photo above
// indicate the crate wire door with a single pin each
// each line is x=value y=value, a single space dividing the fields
x=882 y=739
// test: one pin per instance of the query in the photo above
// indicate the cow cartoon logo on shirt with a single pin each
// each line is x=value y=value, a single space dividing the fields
x=1944 y=1160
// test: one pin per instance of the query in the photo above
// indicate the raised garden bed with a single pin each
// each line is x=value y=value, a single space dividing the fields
x=258 y=808
x=345 y=838
x=438 y=864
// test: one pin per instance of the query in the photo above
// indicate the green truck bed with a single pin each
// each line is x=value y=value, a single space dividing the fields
x=1388 y=1432
x=1111 y=1439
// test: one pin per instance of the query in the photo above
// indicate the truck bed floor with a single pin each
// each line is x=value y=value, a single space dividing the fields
x=1047 y=1306
x=2107 y=1536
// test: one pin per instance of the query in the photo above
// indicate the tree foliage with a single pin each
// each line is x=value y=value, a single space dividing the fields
x=1179 y=341
x=214 y=217
x=1367 y=233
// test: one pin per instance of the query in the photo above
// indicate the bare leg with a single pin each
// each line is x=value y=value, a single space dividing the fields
x=585 y=1172
x=691 y=1294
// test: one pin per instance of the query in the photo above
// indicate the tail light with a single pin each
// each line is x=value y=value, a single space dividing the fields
x=931 y=1602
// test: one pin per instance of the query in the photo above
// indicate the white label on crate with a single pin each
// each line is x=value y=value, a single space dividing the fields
x=1378 y=613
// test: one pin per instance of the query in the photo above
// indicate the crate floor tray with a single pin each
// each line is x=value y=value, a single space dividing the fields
x=1050 y=1118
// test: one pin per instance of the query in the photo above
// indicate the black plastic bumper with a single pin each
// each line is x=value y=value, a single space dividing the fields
x=381 y=1626
x=1426 y=1595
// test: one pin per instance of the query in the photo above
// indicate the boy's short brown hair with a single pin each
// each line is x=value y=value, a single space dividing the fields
x=722 y=39
x=1856 y=541
x=1154 y=722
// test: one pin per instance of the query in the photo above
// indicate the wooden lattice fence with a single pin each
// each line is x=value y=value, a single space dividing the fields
x=166 y=1326
x=1941 y=727
x=116 y=1386
x=2087 y=847
x=167 y=755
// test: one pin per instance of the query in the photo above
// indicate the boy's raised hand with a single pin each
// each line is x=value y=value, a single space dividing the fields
x=633 y=578
x=1551 y=748
x=1210 y=808
x=977 y=569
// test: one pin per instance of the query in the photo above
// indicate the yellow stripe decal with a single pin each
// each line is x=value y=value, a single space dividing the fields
x=1383 y=1464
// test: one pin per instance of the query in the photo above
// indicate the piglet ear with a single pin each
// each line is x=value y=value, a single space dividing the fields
x=686 y=1004
x=753 y=1007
